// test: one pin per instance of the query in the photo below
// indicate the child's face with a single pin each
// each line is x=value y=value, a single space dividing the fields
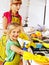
x=15 y=7
x=14 y=33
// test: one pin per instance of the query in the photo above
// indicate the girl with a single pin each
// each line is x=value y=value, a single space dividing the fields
x=13 y=15
x=13 y=48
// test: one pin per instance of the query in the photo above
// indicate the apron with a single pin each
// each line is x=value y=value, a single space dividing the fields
x=15 y=61
x=3 y=41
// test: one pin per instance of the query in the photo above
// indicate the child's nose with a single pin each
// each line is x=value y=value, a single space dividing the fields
x=18 y=6
x=16 y=34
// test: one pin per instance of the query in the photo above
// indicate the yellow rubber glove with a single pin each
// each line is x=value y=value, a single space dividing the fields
x=33 y=44
x=37 y=58
x=3 y=41
x=24 y=36
x=28 y=55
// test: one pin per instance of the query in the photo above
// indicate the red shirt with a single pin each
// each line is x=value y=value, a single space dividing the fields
x=9 y=17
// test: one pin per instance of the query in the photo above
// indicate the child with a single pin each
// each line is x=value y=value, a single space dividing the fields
x=13 y=48
x=13 y=15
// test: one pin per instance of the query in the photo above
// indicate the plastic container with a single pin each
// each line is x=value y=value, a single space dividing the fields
x=38 y=45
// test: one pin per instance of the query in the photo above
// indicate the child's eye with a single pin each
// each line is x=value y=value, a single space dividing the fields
x=13 y=31
x=18 y=31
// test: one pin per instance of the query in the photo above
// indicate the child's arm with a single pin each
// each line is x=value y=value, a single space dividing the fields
x=29 y=56
x=26 y=55
x=17 y=49
x=5 y=25
x=4 y=22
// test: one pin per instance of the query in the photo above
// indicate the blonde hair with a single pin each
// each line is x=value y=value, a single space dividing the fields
x=12 y=26
x=16 y=1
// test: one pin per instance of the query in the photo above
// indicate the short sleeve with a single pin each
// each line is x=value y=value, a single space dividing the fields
x=5 y=14
x=9 y=43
